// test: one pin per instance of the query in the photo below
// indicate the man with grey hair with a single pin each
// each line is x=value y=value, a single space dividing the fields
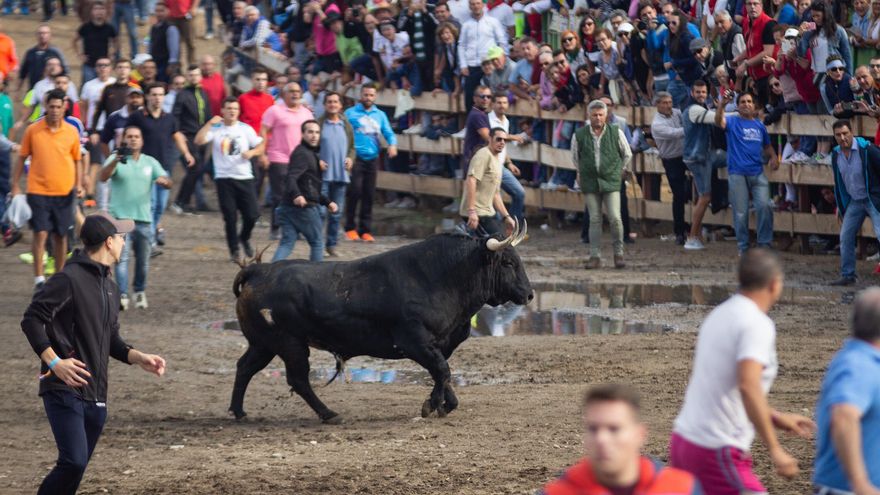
x=848 y=411
x=668 y=132
x=733 y=43
x=601 y=154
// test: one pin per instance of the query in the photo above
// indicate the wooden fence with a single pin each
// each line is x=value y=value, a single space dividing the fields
x=648 y=165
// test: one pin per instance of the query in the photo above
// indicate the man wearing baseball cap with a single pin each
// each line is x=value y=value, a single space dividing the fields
x=74 y=342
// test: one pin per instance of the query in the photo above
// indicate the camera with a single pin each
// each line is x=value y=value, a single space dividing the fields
x=847 y=105
x=728 y=93
x=122 y=153
x=356 y=12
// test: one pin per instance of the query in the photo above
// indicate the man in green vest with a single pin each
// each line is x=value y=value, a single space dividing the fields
x=602 y=154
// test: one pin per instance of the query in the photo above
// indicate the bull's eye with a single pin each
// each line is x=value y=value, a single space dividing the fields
x=507 y=262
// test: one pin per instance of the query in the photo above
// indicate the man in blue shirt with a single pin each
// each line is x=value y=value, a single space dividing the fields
x=337 y=158
x=856 y=166
x=368 y=122
x=747 y=141
x=848 y=411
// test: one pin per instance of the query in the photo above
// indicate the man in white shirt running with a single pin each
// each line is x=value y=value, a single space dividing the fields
x=726 y=401
x=234 y=145
x=89 y=98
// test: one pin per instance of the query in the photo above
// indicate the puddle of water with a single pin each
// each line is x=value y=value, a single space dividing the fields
x=611 y=296
x=320 y=376
x=527 y=320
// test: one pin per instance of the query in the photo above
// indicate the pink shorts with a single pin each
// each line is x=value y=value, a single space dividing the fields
x=724 y=471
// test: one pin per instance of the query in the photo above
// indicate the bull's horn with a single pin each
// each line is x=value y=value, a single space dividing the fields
x=496 y=245
x=522 y=235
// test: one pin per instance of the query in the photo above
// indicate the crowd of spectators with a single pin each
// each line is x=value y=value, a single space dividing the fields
x=751 y=60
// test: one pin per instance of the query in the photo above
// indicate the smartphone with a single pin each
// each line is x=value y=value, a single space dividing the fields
x=846 y=105
x=786 y=46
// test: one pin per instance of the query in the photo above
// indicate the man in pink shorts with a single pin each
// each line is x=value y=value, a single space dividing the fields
x=726 y=400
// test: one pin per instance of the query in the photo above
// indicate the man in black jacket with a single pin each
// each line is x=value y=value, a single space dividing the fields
x=299 y=212
x=72 y=324
x=191 y=109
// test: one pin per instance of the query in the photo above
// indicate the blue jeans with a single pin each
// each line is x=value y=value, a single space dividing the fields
x=124 y=12
x=808 y=143
x=293 y=221
x=141 y=238
x=660 y=85
x=679 y=91
x=855 y=214
x=511 y=186
x=158 y=203
x=208 y=5
x=336 y=192
x=740 y=187
x=76 y=425
x=363 y=65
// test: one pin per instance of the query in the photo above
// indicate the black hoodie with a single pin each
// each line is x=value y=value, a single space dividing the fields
x=77 y=313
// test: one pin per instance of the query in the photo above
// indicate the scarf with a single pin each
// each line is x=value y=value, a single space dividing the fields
x=418 y=41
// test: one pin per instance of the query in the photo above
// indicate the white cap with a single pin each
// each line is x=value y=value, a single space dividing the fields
x=791 y=33
x=625 y=28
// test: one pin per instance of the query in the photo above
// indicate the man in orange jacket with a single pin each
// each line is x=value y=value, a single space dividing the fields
x=614 y=436
x=8 y=59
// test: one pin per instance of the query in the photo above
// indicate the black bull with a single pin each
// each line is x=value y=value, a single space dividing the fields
x=414 y=302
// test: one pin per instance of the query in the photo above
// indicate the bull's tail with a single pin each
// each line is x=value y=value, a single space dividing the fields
x=340 y=368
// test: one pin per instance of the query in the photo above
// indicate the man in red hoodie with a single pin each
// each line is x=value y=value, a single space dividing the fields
x=254 y=104
x=614 y=436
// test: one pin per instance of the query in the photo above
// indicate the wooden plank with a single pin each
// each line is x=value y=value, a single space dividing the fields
x=556 y=157
x=814 y=175
x=524 y=152
x=809 y=223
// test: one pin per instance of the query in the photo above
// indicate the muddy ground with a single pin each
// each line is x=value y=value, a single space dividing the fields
x=517 y=425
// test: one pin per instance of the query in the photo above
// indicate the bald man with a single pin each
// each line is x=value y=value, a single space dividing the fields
x=212 y=83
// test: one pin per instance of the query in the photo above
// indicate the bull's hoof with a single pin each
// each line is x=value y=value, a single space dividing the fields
x=239 y=415
x=442 y=412
x=426 y=408
x=332 y=420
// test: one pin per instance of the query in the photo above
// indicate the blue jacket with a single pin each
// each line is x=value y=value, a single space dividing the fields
x=870 y=156
x=683 y=60
x=367 y=125
x=838 y=45
x=664 y=37
x=836 y=92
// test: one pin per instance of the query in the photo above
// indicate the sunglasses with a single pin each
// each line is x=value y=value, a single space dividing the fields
x=589 y=23
x=673 y=23
x=499 y=140
x=836 y=69
x=569 y=38
x=875 y=66
x=484 y=97
x=624 y=34
x=559 y=63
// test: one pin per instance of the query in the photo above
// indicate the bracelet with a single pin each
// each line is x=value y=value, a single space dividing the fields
x=53 y=362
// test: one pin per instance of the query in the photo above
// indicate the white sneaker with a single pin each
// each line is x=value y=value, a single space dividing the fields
x=123 y=302
x=406 y=203
x=413 y=129
x=694 y=244
x=140 y=300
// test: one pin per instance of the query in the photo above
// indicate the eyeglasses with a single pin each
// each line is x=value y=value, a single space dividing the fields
x=568 y=38
x=484 y=97
x=836 y=69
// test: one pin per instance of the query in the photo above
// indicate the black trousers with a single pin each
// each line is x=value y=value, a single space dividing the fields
x=188 y=186
x=488 y=226
x=361 y=190
x=678 y=182
x=277 y=176
x=475 y=75
x=234 y=196
x=76 y=425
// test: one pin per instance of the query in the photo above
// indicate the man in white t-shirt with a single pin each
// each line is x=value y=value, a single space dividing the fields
x=726 y=400
x=234 y=144
x=89 y=98
x=509 y=173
